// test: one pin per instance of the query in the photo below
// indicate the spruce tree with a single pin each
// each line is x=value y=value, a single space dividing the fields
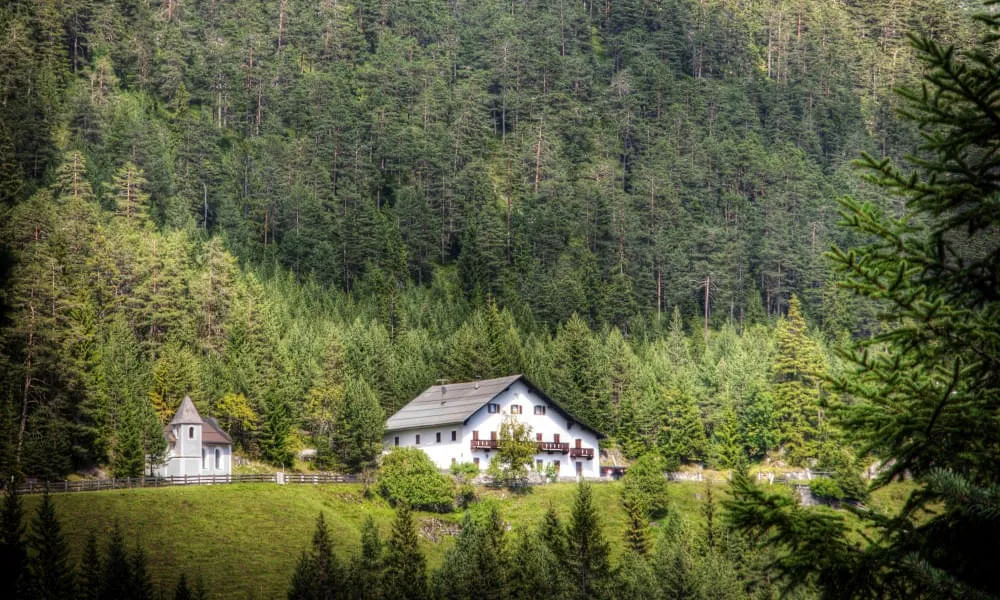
x=318 y=575
x=13 y=553
x=277 y=427
x=357 y=439
x=587 y=551
x=798 y=372
x=116 y=572
x=140 y=584
x=90 y=573
x=925 y=390
x=51 y=572
x=552 y=534
x=365 y=574
x=637 y=534
x=405 y=566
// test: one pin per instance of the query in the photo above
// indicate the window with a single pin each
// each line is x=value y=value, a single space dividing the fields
x=555 y=437
x=190 y=433
x=515 y=409
x=454 y=436
x=538 y=437
x=204 y=463
x=538 y=466
x=418 y=439
x=475 y=461
x=395 y=441
x=539 y=410
x=453 y=461
x=475 y=435
x=555 y=464
x=218 y=458
x=437 y=437
x=579 y=469
x=493 y=408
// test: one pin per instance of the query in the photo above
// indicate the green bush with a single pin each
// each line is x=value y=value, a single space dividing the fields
x=407 y=475
x=645 y=485
x=465 y=471
x=826 y=489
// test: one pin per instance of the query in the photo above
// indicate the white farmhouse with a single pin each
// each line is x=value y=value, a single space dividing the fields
x=195 y=446
x=460 y=422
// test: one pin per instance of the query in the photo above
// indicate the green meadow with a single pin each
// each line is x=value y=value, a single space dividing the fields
x=243 y=540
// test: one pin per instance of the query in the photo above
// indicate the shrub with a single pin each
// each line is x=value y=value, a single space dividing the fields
x=465 y=471
x=408 y=476
x=645 y=485
x=826 y=489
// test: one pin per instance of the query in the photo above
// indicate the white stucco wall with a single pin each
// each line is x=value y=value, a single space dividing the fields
x=550 y=425
x=185 y=457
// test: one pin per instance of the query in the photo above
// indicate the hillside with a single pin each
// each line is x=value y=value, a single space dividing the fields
x=207 y=530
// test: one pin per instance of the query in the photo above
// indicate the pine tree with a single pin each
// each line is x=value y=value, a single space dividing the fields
x=318 y=575
x=798 y=371
x=357 y=440
x=637 y=534
x=552 y=534
x=140 y=585
x=13 y=553
x=116 y=574
x=90 y=574
x=131 y=199
x=925 y=390
x=587 y=551
x=405 y=566
x=277 y=427
x=51 y=572
x=365 y=574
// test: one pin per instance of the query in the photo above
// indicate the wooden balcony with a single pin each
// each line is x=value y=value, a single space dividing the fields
x=587 y=453
x=562 y=447
x=484 y=444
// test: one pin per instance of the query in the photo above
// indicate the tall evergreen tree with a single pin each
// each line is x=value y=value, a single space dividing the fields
x=12 y=544
x=926 y=389
x=798 y=372
x=365 y=574
x=117 y=578
x=587 y=551
x=50 y=568
x=318 y=575
x=405 y=566
x=357 y=440
x=90 y=574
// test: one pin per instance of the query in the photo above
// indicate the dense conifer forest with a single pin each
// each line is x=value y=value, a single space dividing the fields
x=302 y=214
x=300 y=211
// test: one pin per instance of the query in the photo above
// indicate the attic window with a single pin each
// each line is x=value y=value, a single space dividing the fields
x=539 y=410
x=190 y=433
x=493 y=408
x=515 y=409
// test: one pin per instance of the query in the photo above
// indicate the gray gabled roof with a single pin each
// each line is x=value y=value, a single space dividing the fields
x=454 y=403
x=448 y=404
x=187 y=414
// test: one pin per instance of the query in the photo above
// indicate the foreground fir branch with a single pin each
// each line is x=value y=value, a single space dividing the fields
x=926 y=392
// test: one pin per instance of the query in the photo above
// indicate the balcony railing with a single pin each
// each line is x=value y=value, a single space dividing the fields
x=581 y=453
x=484 y=444
x=553 y=447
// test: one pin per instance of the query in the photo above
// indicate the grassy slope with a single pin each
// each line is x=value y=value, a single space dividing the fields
x=244 y=540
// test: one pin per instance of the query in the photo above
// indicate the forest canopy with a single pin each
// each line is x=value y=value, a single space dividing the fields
x=302 y=214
